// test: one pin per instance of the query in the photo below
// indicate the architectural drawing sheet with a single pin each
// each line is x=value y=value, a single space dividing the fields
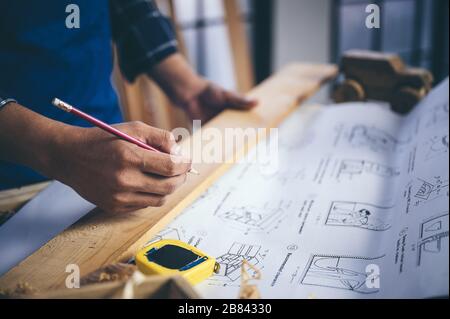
x=358 y=208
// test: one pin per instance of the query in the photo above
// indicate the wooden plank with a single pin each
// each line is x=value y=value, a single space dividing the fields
x=100 y=239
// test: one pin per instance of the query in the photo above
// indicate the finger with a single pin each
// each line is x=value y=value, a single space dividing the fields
x=164 y=164
x=160 y=139
x=136 y=201
x=142 y=200
x=160 y=185
x=123 y=210
x=195 y=111
x=236 y=101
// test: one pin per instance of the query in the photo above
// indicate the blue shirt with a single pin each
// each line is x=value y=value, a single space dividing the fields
x=40 y=58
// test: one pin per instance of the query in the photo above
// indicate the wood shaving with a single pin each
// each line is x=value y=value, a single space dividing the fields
x=115 y=272
x=23 y=289
x=249 y=291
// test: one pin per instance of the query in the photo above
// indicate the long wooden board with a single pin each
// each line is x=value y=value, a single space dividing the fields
x=100 y=238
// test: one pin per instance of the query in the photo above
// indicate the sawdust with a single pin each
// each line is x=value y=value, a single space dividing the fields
x=248 y=290
x=110 y=273
x=23 y=289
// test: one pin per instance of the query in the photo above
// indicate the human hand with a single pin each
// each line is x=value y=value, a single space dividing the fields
x=199 y=97
x=116 y=175
x=212 y=99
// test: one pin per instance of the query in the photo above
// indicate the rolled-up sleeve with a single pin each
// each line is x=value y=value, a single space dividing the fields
x=143 y=35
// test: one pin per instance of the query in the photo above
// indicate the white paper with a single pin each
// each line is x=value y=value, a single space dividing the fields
x=358 y=209
x=52 y=211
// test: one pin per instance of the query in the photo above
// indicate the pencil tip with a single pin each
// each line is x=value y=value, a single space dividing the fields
x=193 y=171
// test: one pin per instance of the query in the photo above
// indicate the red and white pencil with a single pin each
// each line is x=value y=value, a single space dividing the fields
x=106 y=127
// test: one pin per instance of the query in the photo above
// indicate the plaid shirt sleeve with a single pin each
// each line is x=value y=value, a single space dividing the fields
x=143 y=35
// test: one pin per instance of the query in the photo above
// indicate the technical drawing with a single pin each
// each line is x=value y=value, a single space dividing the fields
x=286 y=177
x=420 y=192
x=360 y=215
x=230 y=263
x=251 y=219
x=363 y=136
x=437 y=146
x=340 y=272
x=208 y=195
x=426 y=191
x=433 y=237
x=351 y=168
x=438 y=114
x=294 y=143
x=282 y=176
x=168 y=233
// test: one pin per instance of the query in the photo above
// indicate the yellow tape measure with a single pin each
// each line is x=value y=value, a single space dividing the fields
x=173 y=257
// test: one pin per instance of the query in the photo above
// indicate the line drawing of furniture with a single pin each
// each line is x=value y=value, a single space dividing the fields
x=427 y=191
x=339 y=272
x=252 y=219
x=349 y=168
x=363 y=136
x=433 y=232
x=231 y=262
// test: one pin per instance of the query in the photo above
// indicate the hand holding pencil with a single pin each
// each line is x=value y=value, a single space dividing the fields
x=108 y=128
x=111 y=172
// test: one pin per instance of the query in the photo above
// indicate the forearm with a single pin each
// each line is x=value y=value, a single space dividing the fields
x=116 y=175
x=177 y=78
x=30 y=139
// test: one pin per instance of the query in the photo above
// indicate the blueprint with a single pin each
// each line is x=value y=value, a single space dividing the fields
x=357 y=209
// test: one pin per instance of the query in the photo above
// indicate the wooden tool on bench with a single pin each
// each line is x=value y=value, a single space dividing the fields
x=379 y=76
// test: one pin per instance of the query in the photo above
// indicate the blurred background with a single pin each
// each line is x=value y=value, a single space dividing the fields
x=281 y=31
x=239 y=43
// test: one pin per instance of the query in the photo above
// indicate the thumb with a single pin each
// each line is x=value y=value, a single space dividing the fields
x=161 y=139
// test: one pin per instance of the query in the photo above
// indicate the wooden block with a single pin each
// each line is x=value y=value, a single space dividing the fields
x=100 y=239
